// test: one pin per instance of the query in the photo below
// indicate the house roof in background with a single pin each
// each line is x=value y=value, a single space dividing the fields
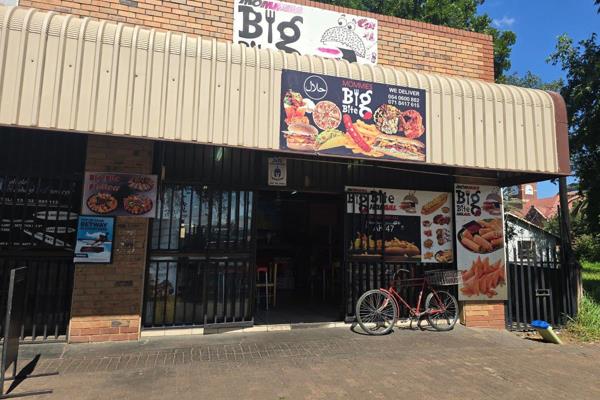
x=547 y=207
x=511 y=215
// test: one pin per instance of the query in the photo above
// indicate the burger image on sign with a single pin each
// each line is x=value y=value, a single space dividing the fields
x=301 y=137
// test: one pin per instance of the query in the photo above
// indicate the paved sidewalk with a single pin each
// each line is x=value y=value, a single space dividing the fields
x=331 y=363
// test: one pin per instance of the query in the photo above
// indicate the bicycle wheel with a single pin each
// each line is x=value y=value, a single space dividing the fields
x=376 y=312
x=443 y=310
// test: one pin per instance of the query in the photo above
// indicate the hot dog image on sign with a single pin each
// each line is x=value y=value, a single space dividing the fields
x=304 y=30
x=344 y=117
x=480 y=242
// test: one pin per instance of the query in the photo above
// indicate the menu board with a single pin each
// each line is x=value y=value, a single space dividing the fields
x=95 y=236
x=108 y=193
x=296 y=28
x=322 y=114
x=416 y=225
x=480 y=242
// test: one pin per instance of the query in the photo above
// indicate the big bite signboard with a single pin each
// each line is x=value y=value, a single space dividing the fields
x=416 y=224
x=304 y=30
x=480 y=252
x=322 y=114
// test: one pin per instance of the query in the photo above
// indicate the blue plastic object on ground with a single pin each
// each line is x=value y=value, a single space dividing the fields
x=545 y=331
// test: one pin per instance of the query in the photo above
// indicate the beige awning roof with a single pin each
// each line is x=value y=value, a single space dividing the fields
x=73 y=74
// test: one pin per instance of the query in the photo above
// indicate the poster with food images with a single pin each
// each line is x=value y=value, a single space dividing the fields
x=328 y=115
x=480 y=242
x=304 y=30
x=414 y=225
x=116 y=194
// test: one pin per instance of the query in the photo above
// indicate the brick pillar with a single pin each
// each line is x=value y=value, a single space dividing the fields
x=107 y=299
x=483 y=314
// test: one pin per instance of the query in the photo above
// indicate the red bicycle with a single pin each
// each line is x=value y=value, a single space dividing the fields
x=377 y=310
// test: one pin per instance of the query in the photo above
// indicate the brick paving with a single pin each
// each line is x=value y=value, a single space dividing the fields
x=321 y=364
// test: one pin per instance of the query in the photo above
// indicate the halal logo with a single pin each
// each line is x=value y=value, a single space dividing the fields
x=315 y=87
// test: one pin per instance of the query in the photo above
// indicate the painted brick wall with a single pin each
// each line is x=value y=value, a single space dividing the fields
x=402 y=43
x=488 y=314
x=107 y=299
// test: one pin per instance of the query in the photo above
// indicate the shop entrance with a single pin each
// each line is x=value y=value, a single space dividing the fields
x=298 y=258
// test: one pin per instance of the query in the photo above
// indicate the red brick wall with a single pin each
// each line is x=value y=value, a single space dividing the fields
x=107 y=299
x=485 y=314
x=402 y=43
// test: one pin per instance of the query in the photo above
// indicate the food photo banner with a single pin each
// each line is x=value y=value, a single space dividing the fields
x=322 y=114
x=416 y=225
x=304 y=30
x=95 y=237
x=480 y=242
x=107 y=193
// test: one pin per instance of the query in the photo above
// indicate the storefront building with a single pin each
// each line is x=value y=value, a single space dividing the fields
x=181 y=166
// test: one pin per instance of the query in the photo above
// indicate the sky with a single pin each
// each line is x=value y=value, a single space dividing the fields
x=537 y=24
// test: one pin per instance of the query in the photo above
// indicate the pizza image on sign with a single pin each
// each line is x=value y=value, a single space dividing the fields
x=118 y=194
x=327 y=115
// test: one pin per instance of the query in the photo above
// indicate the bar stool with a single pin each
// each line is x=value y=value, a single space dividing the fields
x=266 y=277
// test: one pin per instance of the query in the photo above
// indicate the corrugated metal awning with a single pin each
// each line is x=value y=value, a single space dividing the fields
x=73 y=74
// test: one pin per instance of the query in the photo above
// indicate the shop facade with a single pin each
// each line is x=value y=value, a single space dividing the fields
x=255 y=157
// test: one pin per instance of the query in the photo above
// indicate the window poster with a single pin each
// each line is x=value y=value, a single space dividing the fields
x=413 y=225
x=480 y=242
x=109 y=193
x=328 y=115
x=296 y=28
x=95 y=237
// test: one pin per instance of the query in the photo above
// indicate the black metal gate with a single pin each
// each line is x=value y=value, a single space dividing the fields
x=539 y=287
x=41 y=176
x=201 y=266
x=48 y=296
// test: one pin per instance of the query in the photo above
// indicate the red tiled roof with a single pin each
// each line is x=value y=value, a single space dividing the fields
x=547 y=207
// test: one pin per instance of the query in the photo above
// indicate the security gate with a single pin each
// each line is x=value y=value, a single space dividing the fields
x=40 y=197
x=539 y=287
x=201 y=266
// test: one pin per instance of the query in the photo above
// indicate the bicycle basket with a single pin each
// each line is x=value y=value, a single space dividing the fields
x=443 y=277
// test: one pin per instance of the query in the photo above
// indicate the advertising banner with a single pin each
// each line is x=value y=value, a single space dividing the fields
x=480 y=242
x=95 y=236
x=322 y=114
x=108 y=193
x=416 y=224
x=38 y=213
x=304 y=30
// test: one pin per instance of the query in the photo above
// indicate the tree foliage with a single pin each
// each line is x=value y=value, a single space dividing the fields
x=581 y=63
x=530 y=80
x=461 y=14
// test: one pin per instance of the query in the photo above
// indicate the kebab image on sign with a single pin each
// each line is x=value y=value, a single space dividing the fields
x=327 y=118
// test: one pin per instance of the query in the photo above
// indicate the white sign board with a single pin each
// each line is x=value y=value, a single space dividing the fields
x=295 y=28
x=418 y=219
x=277 y=171
x=480 y=242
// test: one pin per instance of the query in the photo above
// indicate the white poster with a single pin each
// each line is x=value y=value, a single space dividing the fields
x=480 y=242
x=418 y=224
x=277 y=171
x=295 y=28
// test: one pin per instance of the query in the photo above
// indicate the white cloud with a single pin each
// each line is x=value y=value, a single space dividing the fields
x=504 y=22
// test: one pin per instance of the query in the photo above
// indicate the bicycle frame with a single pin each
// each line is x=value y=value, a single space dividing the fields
x=414 y=311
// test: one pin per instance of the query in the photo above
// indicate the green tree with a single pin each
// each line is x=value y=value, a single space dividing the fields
x=581 y=63
x=461 y=14
x=530 y=80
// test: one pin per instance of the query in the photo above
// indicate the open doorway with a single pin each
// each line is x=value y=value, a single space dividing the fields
x=299 y=235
